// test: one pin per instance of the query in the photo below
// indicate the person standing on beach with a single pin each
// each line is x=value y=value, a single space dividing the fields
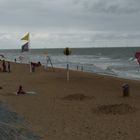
x=15 y=60
x=9 y=67
x=4 y=66
x=32 y=67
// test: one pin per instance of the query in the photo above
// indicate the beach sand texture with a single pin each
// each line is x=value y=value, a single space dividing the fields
x=88 y=107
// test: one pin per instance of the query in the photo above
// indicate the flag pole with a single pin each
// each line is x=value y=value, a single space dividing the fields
x=27 y=38
x=68 y=74
x=30 y=66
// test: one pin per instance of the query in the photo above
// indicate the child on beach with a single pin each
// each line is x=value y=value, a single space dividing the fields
x=20 y=90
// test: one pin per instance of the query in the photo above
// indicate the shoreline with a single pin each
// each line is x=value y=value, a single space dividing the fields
x=90 y=72
x=73 y=110
x=105 y=59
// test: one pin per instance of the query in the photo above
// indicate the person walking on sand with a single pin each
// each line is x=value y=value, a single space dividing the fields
x=9 y=67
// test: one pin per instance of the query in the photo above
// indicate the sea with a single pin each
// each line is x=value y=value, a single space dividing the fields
x=115 y=61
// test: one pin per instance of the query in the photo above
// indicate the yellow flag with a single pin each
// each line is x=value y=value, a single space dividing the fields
x=26 y=37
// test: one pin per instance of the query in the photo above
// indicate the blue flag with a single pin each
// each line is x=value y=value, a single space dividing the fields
x=25 y=47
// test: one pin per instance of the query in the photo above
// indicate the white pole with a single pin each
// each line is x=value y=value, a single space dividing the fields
x=46 y=62
x=67 y=69
x=30 y=66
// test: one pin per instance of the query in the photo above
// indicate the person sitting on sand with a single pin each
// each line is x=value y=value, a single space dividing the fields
x=20 y=90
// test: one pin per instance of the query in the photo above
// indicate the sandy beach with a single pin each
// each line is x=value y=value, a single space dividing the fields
x=88 y=107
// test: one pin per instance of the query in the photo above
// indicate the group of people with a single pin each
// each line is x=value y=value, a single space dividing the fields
x=33 y=65
x=6 y=66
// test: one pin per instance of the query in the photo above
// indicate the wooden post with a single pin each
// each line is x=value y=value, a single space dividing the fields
x=125 y=88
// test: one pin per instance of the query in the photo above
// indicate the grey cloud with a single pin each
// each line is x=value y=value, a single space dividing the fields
x=110 y=6
x=64 y=14
x=88 y=39
x=71 y=20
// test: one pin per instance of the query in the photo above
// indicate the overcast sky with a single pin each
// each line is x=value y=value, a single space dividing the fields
x=70 y=23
